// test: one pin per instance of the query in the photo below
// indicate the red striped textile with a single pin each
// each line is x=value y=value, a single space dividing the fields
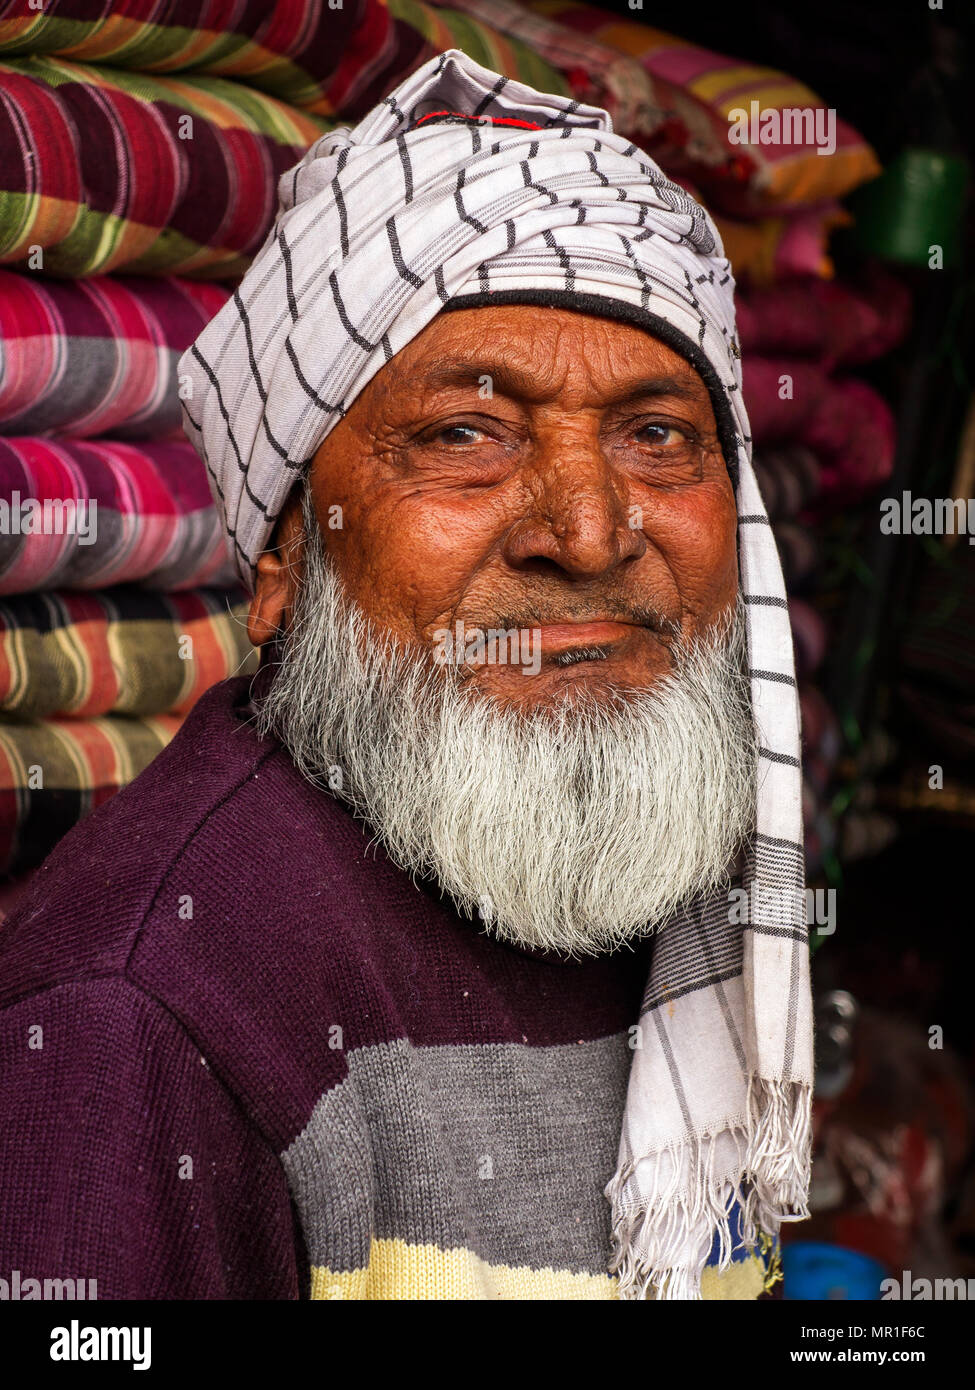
x=301 y=51
x=97 y=356
x=104 y=171
x=335 y=60
x=54 y=772
x=153 y=519
x=121 y=651
x=700 y=88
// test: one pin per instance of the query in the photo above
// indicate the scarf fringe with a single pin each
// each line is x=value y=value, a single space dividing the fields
x=693 y=1205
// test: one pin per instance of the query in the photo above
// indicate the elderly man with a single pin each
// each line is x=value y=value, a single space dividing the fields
x=412 y=968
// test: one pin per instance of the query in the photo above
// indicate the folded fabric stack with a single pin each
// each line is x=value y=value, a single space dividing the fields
x=103 y=515
x=108 y=172
x=824 y=442
x=773 y=196
x=92 y=687
x=139 y=156
x=799 y=339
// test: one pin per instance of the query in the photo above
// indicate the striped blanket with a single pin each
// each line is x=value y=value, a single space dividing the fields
x=96 y=356
x=121 y=651
x=103 y=170
x=701 y=89
x=84 y=514
x=292 y=52
x=336 y=60
x=53 y=772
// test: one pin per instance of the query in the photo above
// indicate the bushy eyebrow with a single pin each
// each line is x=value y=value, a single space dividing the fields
x=517 y=382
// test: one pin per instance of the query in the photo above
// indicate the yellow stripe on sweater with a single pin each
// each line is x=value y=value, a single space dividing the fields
x=397 y=1270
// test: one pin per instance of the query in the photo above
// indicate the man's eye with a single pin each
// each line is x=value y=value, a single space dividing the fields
x=458 y=434
x=660 y=436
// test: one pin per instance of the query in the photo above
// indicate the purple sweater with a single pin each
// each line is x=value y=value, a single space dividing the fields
x=242 y=1055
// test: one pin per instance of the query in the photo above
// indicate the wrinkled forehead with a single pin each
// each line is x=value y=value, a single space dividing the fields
x=538 y=356
x=648 y=325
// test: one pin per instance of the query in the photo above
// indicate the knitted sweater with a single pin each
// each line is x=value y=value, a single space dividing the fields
x=242 y=1055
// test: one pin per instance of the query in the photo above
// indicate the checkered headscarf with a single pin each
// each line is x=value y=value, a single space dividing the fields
x=463 y=185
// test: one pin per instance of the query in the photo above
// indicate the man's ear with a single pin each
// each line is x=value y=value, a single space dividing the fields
x=278 y=571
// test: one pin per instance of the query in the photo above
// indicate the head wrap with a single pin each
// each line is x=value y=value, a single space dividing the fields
x=465 y=187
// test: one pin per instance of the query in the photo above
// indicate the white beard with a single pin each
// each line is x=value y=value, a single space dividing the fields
x=575 y=828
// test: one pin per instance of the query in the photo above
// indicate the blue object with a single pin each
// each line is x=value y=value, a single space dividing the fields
x=815 y=1271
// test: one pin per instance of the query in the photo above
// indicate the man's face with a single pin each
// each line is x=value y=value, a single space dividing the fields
x=516 y=467
x=533 y=469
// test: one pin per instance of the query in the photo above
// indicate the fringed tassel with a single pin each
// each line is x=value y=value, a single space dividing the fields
x=777 y=1159
x=662 y=1245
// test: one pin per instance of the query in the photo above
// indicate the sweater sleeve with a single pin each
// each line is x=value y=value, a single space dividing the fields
x=123 y=1159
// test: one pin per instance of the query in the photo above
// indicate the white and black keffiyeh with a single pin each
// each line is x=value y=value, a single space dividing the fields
x=538 y=200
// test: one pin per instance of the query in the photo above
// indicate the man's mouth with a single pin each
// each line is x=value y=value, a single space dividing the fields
x=557 y=638
x=532 y=639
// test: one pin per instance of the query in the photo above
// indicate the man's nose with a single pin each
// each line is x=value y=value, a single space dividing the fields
x=579 y=518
